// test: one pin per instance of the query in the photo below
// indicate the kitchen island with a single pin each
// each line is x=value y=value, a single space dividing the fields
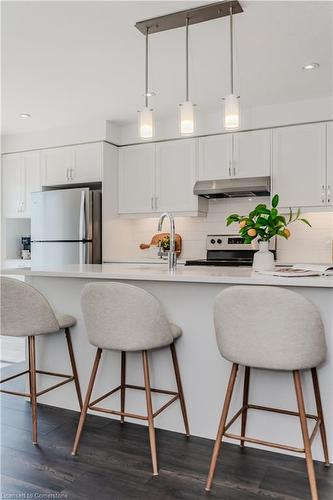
x=187 y=295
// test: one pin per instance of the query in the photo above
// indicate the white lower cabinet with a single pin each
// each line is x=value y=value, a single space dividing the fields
x=21 y=176
x=299 y=165
x=136 y=179
x=158 y=178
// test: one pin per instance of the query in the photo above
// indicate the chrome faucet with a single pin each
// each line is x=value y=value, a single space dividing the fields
x=172 y=256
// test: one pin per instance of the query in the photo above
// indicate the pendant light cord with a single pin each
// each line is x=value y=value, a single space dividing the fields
x=147 y=69
x=231 y=53
x=187 y=79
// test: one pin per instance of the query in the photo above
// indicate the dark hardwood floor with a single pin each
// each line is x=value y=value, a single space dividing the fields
x=114 y=462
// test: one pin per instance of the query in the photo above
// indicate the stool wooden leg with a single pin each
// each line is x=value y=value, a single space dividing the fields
x=245 y=402
x=305 y=433
x=73 y=363
x=320 y=414
x=122 y=385
x=33 y=389
x=86 y=401
x=220 y=432
x=180 y=387
x=152 y=437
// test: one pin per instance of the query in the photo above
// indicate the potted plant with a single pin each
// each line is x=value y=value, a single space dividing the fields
x=265 y=223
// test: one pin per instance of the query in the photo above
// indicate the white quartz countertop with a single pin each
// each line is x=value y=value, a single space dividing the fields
x=159 y=272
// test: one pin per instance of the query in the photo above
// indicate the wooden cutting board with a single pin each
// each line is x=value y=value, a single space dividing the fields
x=158 y=237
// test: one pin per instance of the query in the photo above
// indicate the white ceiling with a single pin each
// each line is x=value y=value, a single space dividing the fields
x=69 y=62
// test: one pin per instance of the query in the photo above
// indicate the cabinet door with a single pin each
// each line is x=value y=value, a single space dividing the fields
x=31 y=179
x=136 y=179
x=175 y=176
x=252 y=154
x=299 y=165
x=55 y=166
x=87 y=163
x=12 y=184
x=215 y=155
x=330 y=164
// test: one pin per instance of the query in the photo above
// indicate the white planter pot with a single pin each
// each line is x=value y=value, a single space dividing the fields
x=263 y=260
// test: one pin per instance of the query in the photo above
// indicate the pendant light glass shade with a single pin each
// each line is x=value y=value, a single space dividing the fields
x=231 y=102
x=231 y=112
x=146 y=123
x=145 y=116
x=186 y=118
x=186 y=109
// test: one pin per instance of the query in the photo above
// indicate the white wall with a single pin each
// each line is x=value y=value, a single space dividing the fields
x=92 y=130
x=306 y=244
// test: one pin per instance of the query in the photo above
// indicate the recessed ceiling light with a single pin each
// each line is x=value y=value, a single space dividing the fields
x=311 y=66
x=24 y=115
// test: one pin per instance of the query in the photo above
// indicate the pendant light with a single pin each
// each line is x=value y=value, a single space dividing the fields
x=186 y=109
x=146 y=119
x=231 y=101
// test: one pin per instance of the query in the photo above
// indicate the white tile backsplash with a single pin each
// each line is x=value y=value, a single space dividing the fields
x=305 y=244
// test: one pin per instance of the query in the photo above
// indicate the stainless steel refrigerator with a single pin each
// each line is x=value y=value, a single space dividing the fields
x=66 y=227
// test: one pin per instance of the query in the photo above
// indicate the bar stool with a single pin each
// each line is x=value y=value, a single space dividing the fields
x=25 y=312
x=125 y=318
x=274 y=329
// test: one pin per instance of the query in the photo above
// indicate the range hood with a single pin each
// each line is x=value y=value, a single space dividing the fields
x=233 y=188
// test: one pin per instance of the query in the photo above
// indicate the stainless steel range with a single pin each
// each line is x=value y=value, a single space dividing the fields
x=229 y=250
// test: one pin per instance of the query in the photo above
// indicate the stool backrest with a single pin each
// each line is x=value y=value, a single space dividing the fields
x=124 y=317
x=268 y=327
x=24 y=310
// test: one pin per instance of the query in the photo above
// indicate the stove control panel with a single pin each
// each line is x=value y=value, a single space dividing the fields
x=232 y=242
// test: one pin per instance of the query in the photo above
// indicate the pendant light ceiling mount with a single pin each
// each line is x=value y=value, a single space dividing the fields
x=194 y=16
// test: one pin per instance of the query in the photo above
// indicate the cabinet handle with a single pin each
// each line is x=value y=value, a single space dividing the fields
x=71 y=174
x=67 y=174
x=328 y=194
x=323 y=194
x=155 y=202
x=18 y=203
x=152 y=202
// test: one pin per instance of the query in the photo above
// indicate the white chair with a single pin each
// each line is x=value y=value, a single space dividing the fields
x=274 y=329
x=124 y=318
x=25 y=312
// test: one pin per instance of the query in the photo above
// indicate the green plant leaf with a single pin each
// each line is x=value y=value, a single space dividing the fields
x=298 y=213
x=274 y=213
x=290 y=215
x=306 y=222
x=275 y=201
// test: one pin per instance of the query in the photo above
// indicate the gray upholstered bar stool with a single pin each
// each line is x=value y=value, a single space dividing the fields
x=124 y=318
x=274 y=329
x=25 y=312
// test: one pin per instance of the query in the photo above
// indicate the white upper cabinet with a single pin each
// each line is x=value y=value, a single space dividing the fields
x=176 y=174
x=329 y=181
x=215 y=157
x=158 y=178
x=32 y=179
x=252 y=154
x=20 y=177
x=72 y=164
x=299 y=165
x=12 y=184
x=56 y=166
x=136 y=179
x=87 y=160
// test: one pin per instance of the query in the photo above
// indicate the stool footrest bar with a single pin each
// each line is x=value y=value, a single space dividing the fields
x=92 y=406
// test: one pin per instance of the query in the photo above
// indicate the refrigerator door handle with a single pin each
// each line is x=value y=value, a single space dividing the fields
x=82 y=227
